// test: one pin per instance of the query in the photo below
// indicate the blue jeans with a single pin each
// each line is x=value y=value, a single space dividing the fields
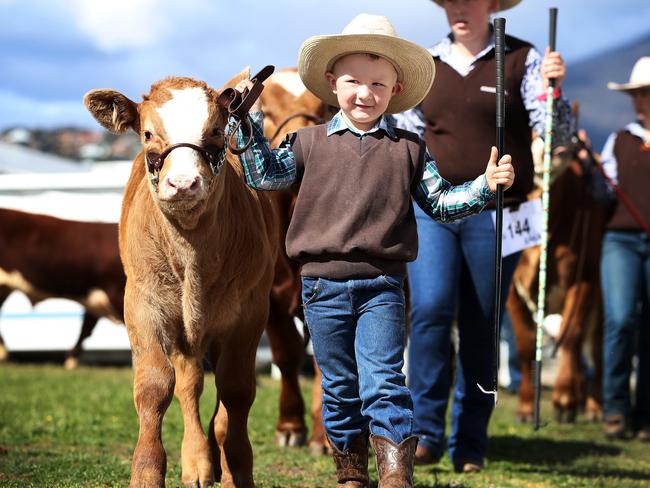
x=453 y=277
x=625 y=277
x=358 y=332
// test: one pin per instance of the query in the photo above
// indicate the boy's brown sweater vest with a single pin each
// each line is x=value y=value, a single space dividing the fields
x=354 y=217
x=460 y=118
x=633 y=165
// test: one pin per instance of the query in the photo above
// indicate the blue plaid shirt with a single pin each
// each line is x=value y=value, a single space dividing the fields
x=275 y=169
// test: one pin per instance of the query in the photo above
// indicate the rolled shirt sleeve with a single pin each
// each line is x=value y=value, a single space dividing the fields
x=445 y=202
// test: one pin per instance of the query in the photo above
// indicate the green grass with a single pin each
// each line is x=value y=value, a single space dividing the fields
x=60 y=428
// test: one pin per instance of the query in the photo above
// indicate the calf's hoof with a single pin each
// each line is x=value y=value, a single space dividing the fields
x=593 y=410
x=319 y=448
x=566 y=415
x=199 y=475
x=148 y=480
x=290 y=438
x=524 y=417
x=198 y=484
x=71 y=363
x=237 y=482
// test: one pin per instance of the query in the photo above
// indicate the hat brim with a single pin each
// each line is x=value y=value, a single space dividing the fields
x=503 y=4
x=626 y=87
x=414 y=64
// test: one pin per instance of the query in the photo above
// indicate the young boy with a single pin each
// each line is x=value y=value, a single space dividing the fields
x=353 y=230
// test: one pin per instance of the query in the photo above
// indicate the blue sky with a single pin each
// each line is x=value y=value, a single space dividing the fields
x=53 y=51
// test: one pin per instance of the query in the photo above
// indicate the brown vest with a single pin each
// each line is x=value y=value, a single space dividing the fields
x=460 y=118
x=354 y=217
x=633 y=165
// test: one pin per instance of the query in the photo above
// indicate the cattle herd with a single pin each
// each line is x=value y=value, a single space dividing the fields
x=199 y=270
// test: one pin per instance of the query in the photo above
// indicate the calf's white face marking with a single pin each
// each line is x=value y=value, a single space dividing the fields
x=184 y=118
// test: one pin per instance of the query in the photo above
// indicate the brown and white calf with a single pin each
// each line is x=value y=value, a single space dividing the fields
x=576 y=227
x=198 y=248
x=47 y=257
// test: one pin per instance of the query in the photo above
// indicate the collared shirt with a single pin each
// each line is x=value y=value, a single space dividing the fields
x=610 y=166
x=274 y=169
x=531 y=89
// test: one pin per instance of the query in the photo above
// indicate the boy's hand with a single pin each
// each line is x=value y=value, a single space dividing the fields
x=503 y=174
x=241 y=86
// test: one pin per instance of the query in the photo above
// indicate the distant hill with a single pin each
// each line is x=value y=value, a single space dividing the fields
x=602 y=111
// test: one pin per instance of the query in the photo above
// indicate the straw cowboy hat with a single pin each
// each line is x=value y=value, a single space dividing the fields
x=503 y=4
x=639 y=78
x=372 y=34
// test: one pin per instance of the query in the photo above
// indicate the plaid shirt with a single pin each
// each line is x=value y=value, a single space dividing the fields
x=274 y=169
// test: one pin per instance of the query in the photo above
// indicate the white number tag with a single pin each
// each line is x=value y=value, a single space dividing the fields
x=521 y=227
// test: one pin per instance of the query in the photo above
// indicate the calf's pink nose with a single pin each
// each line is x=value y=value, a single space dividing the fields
x=183 y=185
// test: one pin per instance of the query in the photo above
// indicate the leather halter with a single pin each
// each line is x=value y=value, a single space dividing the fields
x=238 y=104
x=214 y=155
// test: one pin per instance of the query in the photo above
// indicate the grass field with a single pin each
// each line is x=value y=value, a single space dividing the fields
x=62 y=429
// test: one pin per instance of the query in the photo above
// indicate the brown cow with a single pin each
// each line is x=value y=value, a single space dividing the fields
x=198 y=247
x=47 y=257
x=576 y=226
x=288 y=106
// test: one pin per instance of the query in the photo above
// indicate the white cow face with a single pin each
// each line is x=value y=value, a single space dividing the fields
x=181 y=111
x=176 y=111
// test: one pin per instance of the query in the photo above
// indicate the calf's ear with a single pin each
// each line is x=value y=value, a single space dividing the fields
x=113 y=111
x=246 y=73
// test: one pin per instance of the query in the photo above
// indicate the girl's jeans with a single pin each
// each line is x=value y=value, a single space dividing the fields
x=357 y=329
x=453 y=278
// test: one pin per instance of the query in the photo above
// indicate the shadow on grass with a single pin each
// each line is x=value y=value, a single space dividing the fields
x=541 y=451
x=441 y=484
x=556 y=456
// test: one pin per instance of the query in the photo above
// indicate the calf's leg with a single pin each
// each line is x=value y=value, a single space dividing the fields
x=235 y=380
x=196 y=460
x=288 y=354
x=569 y=388
x=319 y=443
x=594 y=403
x=4 y=293
x=153 y=388
x=523 y=327
x=87 y=327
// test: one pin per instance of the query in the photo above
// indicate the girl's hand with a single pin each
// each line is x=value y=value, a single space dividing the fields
x=553 y=67
x=501 y=174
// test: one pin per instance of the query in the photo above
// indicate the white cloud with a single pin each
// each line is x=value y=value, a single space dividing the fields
x=120 y=24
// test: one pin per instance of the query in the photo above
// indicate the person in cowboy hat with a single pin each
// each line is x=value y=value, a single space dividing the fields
x=456 y=119
x=353 y=229
x=625 y=266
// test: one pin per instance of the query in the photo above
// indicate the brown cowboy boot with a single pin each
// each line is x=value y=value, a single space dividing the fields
x=394 y=463
x=352 y=465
